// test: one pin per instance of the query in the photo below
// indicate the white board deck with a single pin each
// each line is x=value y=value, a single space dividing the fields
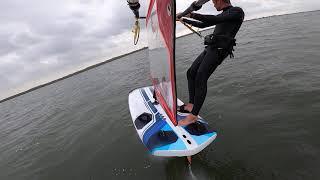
x=157 y=132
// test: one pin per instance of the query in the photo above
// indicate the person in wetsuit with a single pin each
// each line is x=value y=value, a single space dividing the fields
x=227 y=24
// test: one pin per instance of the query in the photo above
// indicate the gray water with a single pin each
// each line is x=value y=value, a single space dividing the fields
x=265 y=105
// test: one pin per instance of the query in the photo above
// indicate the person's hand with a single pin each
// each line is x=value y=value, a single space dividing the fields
x=188 y=15
x=179 y=16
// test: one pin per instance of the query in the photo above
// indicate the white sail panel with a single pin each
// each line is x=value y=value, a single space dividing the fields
x=161 y=43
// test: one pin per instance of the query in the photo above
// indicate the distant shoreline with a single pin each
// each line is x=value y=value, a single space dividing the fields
x=117 y=57
x=70 y=75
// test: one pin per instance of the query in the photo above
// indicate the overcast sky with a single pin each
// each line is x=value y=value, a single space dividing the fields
x=44 y=40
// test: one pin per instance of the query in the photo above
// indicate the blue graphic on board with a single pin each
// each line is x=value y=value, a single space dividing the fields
x=162 y=138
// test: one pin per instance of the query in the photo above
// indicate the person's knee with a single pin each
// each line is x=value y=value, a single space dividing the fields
x=190 y=74
x=201 y=78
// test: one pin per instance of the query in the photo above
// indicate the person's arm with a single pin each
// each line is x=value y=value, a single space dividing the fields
x=195 y=6
x=231 y=15
x=198 y=24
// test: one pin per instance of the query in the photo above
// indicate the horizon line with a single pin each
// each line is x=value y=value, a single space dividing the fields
x=120 y=56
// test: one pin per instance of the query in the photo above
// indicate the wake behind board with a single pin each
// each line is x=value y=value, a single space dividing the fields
x=158 y=133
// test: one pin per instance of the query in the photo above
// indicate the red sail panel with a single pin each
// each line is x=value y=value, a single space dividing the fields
x=161 y=44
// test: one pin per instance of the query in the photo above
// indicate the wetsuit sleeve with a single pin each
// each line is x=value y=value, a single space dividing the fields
x=199 y=3
x=198 y=24
x=195 y=6
x=231 y=15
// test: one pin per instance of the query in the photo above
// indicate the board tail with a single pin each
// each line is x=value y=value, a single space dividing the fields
x=161 y=27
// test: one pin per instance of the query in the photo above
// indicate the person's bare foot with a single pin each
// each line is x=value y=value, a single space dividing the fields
x=189 y=107
x=186 y=108
x=188 y=120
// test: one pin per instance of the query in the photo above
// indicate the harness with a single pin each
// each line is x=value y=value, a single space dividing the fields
x=221 y=42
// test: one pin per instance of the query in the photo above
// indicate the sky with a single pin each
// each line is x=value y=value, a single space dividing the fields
x=44 y=40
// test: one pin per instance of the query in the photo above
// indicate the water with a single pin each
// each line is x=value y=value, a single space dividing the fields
x=265 y=105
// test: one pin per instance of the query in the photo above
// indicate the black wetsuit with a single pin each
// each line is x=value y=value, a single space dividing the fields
x=228 y=24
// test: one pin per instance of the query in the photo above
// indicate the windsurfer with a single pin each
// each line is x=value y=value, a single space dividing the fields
x=218 y=46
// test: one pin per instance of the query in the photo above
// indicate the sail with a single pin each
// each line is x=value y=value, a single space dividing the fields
x=161 y=44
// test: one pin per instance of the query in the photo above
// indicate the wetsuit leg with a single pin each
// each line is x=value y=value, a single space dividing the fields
x=210 y=62
x=191 y=75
